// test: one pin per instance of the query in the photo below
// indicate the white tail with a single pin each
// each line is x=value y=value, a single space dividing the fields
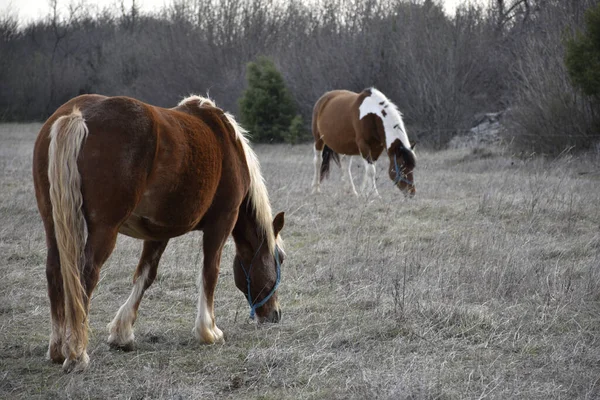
x=66 y=138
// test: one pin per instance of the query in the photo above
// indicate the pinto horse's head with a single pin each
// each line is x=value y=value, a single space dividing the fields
x=257 y=272
x=402 y=164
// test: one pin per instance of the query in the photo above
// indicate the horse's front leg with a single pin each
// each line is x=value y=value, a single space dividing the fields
x=347 y=172
x=369 y=159
x=121 y=328
x=213 y=240
x=370 y=175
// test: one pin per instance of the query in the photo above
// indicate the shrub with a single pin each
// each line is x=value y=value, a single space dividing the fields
x=548 y=114
x=297 y=132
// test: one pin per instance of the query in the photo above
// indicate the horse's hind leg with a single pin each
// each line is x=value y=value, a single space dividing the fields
x=318 y=159
x=57 y=303
x=100 y=243
x=121 y=328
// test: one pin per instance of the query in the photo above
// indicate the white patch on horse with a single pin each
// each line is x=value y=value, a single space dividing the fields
x=391 y=117
x=56 y=337
x=121 y=327
x=205 y=329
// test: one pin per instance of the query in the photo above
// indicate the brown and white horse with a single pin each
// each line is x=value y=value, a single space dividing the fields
x=109 y=165
x=364 y=124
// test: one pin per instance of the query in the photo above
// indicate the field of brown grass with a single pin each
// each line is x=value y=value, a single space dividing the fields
x=485 y=285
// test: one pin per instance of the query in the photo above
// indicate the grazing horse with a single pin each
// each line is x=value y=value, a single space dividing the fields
x=363 y=124
x=109 y=165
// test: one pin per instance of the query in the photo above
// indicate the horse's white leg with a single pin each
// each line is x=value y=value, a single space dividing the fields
x=121 y=328
x=214 y=238
x=363 y=186
x=366 y=176
x=205 y=329
x=347 y=172
x=370 y=175
x=318 y=160
x=373 y=174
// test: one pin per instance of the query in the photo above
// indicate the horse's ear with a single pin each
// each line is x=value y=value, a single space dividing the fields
x=412 y=146
x=278 y=223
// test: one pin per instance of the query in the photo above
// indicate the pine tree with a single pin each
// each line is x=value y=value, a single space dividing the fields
x=583 y=55
x=266 y=107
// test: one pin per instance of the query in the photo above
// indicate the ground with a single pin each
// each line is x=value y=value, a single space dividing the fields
x=485 y=285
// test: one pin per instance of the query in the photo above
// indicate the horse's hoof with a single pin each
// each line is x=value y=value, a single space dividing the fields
x=55 y=355
x=209 y=336
x=129 y=346
x=76 y=365
x=120 y=339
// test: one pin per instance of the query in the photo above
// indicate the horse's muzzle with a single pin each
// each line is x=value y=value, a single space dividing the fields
x=274 y=316
x=409 y=192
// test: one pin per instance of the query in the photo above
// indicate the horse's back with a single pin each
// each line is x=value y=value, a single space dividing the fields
x=149 y=171
x=335 y=118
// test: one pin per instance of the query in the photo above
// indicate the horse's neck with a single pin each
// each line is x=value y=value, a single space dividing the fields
x=245 y=232
x=379 y=133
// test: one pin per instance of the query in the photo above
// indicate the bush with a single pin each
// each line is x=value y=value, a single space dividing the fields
x=267 y=109
x=297 y=132
x=548 y=114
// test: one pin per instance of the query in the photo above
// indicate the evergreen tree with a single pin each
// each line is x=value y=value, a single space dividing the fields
x=583 y=55
x=266 y=106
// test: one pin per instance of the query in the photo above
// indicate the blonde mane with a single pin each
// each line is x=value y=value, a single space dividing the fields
x=258 y=195
x=199 y=99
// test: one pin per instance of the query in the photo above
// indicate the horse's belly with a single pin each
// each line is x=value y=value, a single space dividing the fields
x=161 y=215
x=341 y=143
x=146 y=228
x=340 y=137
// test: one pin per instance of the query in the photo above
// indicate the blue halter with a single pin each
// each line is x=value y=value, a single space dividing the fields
x=400 y=177
x=254 y=306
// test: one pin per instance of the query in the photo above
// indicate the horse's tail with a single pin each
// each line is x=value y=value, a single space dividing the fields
x=66 y=138
x=328 y=154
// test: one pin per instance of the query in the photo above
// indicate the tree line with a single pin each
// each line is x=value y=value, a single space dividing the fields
x=441 y=71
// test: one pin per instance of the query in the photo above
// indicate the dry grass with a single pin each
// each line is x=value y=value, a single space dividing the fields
x=486 y=285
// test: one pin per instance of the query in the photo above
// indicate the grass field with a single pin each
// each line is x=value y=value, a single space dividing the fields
x=485 y=285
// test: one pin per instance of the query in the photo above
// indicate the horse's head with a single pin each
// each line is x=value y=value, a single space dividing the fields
x=402 y=164
x=257 y=273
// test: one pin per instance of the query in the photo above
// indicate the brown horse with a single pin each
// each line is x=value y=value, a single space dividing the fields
x=365 y=124
x=109 y=165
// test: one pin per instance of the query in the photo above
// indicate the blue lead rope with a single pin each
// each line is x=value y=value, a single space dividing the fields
x=254 y=306
x=399 y=175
